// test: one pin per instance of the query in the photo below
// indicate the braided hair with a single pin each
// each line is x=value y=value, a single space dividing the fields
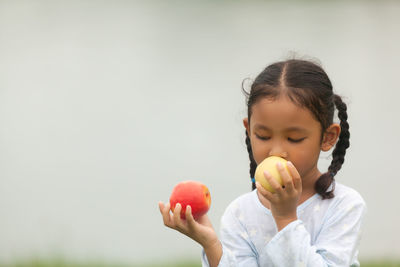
x=308 y=86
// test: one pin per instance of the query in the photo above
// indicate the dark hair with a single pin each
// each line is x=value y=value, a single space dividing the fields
x=307 y=85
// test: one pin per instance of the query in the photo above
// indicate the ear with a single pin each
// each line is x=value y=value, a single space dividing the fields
x=330 y=137
x=246 y=125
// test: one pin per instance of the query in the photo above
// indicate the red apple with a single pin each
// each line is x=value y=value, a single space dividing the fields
x=191 y=193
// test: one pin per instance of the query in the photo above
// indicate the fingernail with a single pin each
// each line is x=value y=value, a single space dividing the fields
x=289 y=163
x=279 y=165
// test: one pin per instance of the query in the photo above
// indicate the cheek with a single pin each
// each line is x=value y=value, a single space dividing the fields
x=259 y=150
x=305 y=159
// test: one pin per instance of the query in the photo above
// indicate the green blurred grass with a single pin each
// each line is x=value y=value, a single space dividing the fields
x=188 y=263
x=63 y=263
x=380 y=264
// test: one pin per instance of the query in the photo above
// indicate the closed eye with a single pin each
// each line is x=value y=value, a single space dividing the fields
x=265 y=138
x=296 y=140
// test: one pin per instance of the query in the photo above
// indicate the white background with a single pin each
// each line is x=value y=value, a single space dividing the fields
x=106 y=105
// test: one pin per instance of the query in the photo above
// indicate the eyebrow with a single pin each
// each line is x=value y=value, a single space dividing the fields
x=289 y=129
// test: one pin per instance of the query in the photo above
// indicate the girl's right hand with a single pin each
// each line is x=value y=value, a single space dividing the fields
x=200 y=231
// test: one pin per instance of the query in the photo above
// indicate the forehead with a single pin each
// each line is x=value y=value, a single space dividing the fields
x=281 y=113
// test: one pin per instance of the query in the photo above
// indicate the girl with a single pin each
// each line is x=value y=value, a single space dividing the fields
x=310 y=220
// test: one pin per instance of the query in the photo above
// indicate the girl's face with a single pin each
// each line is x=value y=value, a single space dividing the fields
x=278 y=127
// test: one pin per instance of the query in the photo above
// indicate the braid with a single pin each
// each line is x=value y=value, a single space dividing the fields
x=343 y=143
x=253 y=164
x=338 y=153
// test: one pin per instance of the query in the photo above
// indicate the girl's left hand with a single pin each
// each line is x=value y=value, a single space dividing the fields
x=285 y=199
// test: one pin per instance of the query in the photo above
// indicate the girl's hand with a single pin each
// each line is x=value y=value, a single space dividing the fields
x=201 y=230
x=284 y=201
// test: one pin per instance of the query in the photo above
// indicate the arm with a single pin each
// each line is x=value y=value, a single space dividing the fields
x=237 y=248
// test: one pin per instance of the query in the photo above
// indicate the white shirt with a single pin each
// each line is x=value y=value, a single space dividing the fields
x=327 y=232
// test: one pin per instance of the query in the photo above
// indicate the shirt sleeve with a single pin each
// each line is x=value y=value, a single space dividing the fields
x=336 y=245
x=237 y=250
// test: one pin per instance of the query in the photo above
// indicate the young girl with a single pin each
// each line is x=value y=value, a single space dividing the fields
x=310 y=220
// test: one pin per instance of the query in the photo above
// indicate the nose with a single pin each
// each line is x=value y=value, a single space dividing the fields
x=279 y=151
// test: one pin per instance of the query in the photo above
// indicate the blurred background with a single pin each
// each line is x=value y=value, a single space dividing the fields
x=106 y=105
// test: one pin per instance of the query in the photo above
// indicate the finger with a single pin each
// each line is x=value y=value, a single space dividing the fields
x=265 y=193
x=189 y=218
x=272 y=182
x=164 y=209
x=295 y=176
x=286 y=178
x=177 y=216
x=161 y=206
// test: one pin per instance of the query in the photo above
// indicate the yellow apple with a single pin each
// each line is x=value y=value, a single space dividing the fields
x=269 y=164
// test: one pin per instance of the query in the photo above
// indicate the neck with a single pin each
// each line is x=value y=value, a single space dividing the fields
x=308 y=184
